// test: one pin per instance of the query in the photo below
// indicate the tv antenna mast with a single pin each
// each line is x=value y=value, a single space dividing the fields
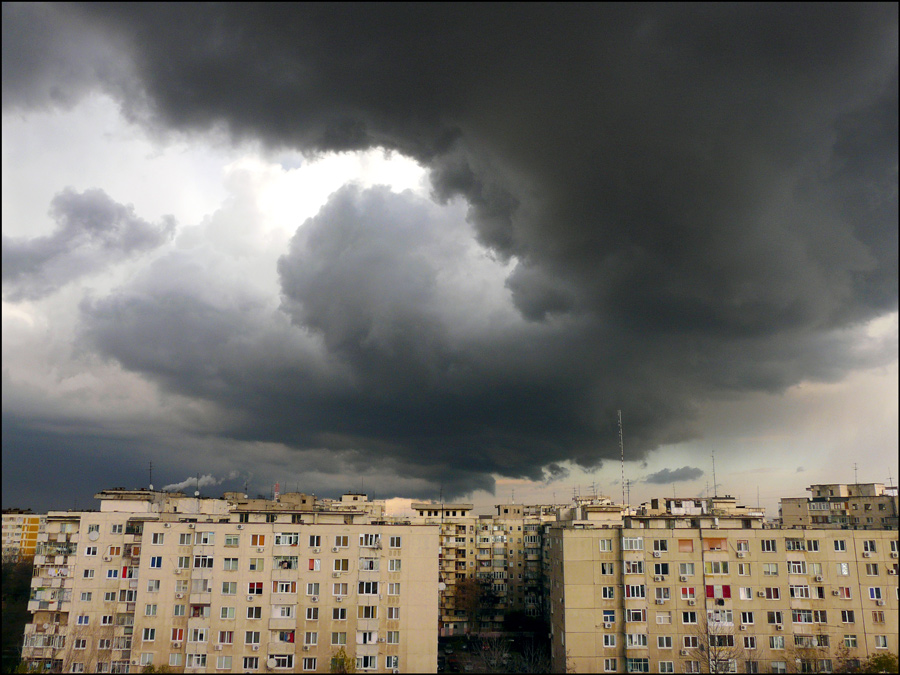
x=715 y=484
x=622 y=452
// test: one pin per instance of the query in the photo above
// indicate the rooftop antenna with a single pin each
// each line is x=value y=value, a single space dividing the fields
x=855 y=476
x=715 y=485
x=245 y=488
x=622 y=451
x=513 y=498
x=628 y=489
x=197 y=491
x=757 y=497
x=151 y=475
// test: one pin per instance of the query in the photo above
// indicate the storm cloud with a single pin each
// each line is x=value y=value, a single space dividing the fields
x=92 y=232
x=664 y=205
x=666 y=476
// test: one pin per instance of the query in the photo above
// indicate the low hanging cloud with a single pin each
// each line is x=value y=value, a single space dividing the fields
x=703 y=207
x=666 y=476
x=92 y=233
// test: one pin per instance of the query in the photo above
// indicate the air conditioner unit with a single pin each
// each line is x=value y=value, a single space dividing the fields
x=381 y=639
x=743 y=627
x=135 y=662
x=176 y=645
x=607 y=625
x=168 y=525
x=684 y=652
x=260 y=549
x=818 y=577
x=314 y=598
x=317 y=550
x=692 y=602
x=880 y=603
x=778 y=626
x=190 y=526
x=306 y=648
x=255 y=648
x=892 y=571
x=336 y=575
x=761 y=594
x=250 y=598
x=894 y=554
x=660 y=602
x=659 y=578
x=835 y=592
x=240 y=527
x=339 y=599
x=335 y=549
x=866 y=554
x=396 y=671
x=179 y=595
x=107 y=558
x=741 y=554
x=178 y=571
x=218 y=648
x=657 y=554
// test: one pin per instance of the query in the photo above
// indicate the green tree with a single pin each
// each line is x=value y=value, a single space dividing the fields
x=880 y=663
x=341 y=662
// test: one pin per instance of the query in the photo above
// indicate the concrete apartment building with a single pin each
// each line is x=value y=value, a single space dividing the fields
x=858 y=506
x=20 y=533
x=650 y=594
x=231 y=585
x=501 y=552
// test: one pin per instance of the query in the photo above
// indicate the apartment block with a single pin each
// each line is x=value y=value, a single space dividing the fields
x=231 y=585
x=20 y=532
x=673 y=593
x=858 y=506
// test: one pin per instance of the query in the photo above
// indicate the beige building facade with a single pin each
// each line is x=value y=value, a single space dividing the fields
x=648 y=596
x=231 y=585
x=858 y=506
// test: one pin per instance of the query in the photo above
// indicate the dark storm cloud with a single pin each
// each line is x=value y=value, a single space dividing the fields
x=666 y=476
x=92 y=232
x=699 y=201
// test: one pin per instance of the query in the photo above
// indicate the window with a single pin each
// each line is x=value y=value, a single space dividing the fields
x=256 y=565
x=315 y=540
x=150 y=610
x=287 y=539
x=83 y=620
x=394 y=542
x=315 y=564
x=770 y=569
x=158 y=538
x=715 y=567
x=664 y=617
x=609 y=665
x=872 y=569
x=223 y=663
x=310 y=638
x=635 y=615
x=198 y=635
x=313 y=589
x=749 y=642
x=206 y=538
x=773 y=593
x=881 y=642
x=847 y=616
x=799 y=591
x=769 y=545
x=394 y=565
x=661 y=569
x=342 y=541
x=666 y=667
x=840 y=545
x=337 y=613
x=367 y=612
x=686 y=569
x=878 y=616
x=605 y=545
x=231 y=564
x=90 y=550
x=776 y=642
x=178 y=635
x=869 y=546
x=796 y=567
x=393 y=637
x=257 y=540
x=844 y=593
x=664 y=642
x=205 y=561
x=843 y=569
x=149 y=634
x=112 y=574
x=634 y=567
x=774 y=617
x=254 y=612
x=609 y=592
x=251 y=637
x=661 y=545
x=179 y=610
x=689 y=617
x=342 y=565
x=366 y=662
x=607 y=568
x=637 y=665
x=184 y=562
x=850 y=641
x=312 y=613
x=284 y=586
x=635 y=591
x=662 y=593
x=635 y=640
x=367 y=588
x=609 y=640
x=309 y=663
x=339 y=589
x=232 y=540
x=229 y=588
x=691 y=641
x=255 y=588
x=196 y=660
x=688 y=593
x=227 y=613
x=747 y=617
x=251 y=662
x=874 y=593
x=632 y=543
x=116 y=529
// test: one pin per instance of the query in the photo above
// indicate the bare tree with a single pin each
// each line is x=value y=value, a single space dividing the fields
x=493 y=654
x=717 y=647
x=533 y=658
x=809 y=654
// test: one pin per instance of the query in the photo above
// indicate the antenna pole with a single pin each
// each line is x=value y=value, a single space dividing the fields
x=855 y=476
x=622 y=452
x=715 y=485
x=151 y=475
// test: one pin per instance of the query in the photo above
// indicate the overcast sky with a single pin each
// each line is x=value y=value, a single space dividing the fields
x=432 y=249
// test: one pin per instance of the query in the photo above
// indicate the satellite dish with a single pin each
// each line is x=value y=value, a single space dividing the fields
x=94 y=536
x=271 y=663
x=46 y=626
x=196 y=493
x=151 y=486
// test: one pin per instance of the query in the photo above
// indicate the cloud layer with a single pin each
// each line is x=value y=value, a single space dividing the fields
x=664 y=205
